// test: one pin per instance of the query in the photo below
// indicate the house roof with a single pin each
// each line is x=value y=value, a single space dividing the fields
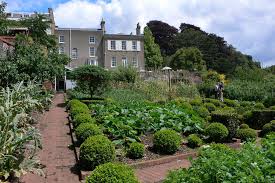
x=9 y=40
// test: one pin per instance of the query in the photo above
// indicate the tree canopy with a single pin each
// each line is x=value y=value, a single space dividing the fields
x=164 y=35
x=217 y=53
x=152 y=53
x=188 y=59
x=35 y=56
x=91 y=78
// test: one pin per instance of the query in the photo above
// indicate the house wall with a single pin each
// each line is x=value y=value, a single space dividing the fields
x=119 y=53
x=80 y=39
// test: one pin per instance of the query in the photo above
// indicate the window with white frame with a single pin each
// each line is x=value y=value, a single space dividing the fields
x=74 y=53
x=92 y=40
x=134 y=62
x=113 y=62
x=124 y=61
x=92 y=51
x=123 y=45
x=134 y=45
x=61 y=39
x=93 y=62
x=113 y=45
x=61 y=50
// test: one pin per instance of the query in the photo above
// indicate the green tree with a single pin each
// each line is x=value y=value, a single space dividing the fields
x=125 y=74
x=37 y=27
x=35 y=57
x=164 y=35
x=152 y=53
x=188 y=59
x=91 y=78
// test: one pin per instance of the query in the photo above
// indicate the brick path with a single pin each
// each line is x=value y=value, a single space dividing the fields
x=55 y=155
x=158 y=173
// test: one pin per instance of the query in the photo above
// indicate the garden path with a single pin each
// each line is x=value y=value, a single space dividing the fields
x=58 y=159
x=158 y=173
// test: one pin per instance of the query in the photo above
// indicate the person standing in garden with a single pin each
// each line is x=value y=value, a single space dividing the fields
x=219 y=87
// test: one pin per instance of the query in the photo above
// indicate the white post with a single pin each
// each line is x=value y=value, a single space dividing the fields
x=55 y=83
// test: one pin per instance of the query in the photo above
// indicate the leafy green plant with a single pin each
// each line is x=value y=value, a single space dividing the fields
x=112 y=172
x=16 y=104
x=136 y=150
x=166 y=141
x=219 y=164
x=194 y=141
x=125 y=125
x=217 y=132
x=85 y=130
x=96 y=150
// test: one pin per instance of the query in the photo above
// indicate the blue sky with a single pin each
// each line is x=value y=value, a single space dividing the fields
x=246 y=24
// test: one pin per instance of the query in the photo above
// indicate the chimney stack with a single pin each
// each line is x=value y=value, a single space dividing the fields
x=138 y=30
x=102 y=25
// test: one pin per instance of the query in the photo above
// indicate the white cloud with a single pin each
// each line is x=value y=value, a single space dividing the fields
x=246 y=24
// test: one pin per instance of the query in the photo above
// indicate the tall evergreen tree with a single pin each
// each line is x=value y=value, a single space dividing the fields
x=152 y=53
x=164 y=35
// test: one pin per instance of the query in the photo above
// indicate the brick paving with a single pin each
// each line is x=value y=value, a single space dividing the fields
x=58 y=159
x=158 y=173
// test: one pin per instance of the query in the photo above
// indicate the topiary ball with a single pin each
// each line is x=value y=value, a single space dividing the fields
x=247 y=134
x=267 y=128
x=194 y=141
x=96 y=150
x=136 y=150
x=166 y=141
x=83 y=118
x=259 y=105
x=112 y=173
x=85 y=130
x=217 y=132
x=244 y=126
x=79 y=110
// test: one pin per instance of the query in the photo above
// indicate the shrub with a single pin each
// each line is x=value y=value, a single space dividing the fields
x=217 y=132
x=196 y=102
x=194 y=141
x=247 y=134
x=125 y=74
x=167 y=141
x=228 y=118
x=112 y=173
x=136 y=150
x=202 y=111
x=85 y=130
x=73 y=103
x=83 y=118
x=216 y=102
x=259 y=105
x=244 y=126
x=267 y=128
x=188 y=91
x=210 y=107
x=96 y=150
x=246 y=104
x=258 y=118
x=231 y=103
x=272 y=108
x=78 y=108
